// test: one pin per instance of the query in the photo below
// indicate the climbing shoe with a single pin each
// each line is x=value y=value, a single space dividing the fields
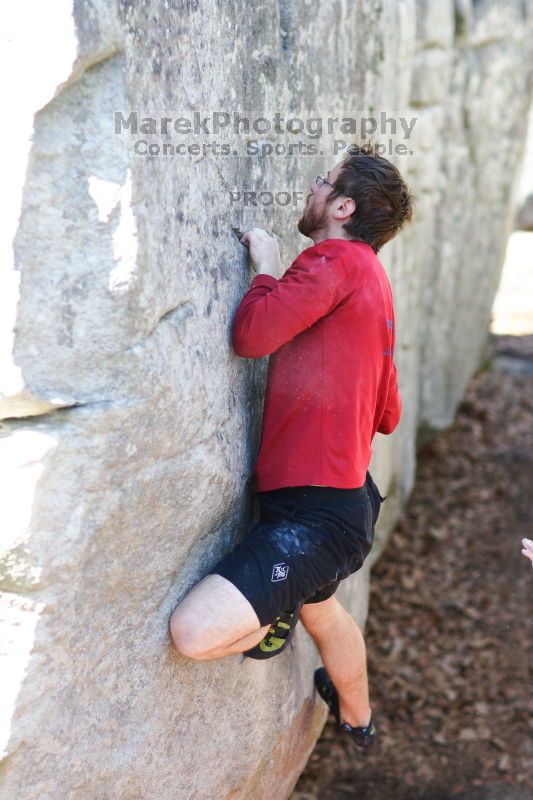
x=363 y=736
x=277 y=637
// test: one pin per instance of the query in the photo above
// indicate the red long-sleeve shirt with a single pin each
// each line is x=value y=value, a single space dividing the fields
x=328 y=326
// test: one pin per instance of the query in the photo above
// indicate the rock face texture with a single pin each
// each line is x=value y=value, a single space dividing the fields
x=129 y=427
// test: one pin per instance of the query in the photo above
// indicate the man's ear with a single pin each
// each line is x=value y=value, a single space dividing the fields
x=345 y=208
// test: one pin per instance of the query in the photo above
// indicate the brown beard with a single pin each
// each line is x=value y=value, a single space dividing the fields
x=312 y=220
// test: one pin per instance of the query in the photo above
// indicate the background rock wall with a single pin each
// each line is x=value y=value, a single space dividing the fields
x=130 y=427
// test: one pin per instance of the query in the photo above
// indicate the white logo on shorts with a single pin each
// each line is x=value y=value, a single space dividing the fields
x=280 y=572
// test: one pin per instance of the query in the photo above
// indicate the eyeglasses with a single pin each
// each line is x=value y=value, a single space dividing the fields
x=320 y=180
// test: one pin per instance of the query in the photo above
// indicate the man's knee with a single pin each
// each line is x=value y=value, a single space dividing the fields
x=188 y=636
x=185 y=640
x=317 y=615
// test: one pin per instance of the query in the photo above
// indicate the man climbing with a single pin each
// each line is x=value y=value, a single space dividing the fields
x=327 y=323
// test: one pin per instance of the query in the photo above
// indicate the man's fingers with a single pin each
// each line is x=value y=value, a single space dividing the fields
x=258 y=232
x=255 y=233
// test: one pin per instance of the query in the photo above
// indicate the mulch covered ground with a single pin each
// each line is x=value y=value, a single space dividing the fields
x=449 y=631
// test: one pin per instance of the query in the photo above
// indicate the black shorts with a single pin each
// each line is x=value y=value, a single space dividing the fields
x=307 y=540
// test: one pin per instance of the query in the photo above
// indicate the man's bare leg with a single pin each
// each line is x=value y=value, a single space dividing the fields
x=239 y=646
x=214 y=619
x=342 y=647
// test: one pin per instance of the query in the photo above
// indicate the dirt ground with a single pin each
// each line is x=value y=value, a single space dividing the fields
x=449 y=629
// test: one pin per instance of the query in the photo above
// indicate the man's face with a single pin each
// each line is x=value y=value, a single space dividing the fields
x=316 y=214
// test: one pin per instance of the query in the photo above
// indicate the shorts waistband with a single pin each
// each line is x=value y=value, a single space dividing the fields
x=320 y=493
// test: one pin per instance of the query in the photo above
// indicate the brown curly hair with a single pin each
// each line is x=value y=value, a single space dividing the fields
x=383 y=202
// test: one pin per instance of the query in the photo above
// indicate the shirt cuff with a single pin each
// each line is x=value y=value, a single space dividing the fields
x=262 y=279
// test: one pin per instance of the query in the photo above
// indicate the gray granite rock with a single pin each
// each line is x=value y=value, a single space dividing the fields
x=524 y=217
